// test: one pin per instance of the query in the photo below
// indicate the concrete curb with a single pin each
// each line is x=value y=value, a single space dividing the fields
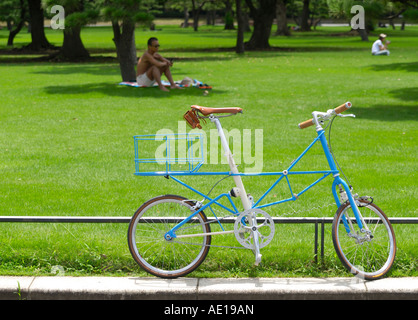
x=131 y=288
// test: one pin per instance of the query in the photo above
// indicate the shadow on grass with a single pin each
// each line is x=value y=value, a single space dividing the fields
x=73 y=68
x=402 y=66
x=101 y=69
x=407 y=94
x=318 y=49
x=115 y=90
x=10 y=56
x=314 y=48
x=390 y=112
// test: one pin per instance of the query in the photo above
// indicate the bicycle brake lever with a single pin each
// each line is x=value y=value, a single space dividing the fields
x=346 y=115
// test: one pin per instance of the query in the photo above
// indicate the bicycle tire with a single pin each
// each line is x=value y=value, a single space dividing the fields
x=168 y=258
x=368 y=257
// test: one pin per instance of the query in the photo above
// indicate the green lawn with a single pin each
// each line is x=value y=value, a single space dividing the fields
x=66 y=145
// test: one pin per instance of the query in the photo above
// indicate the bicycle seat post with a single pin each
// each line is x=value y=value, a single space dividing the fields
x=234 y=170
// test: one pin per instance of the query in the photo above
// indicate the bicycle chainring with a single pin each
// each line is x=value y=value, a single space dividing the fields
x=250 y=221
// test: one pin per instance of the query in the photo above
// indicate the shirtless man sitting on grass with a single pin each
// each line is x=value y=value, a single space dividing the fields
x=152 y=65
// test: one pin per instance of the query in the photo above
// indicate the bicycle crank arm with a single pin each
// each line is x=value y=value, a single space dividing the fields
x=256 y=250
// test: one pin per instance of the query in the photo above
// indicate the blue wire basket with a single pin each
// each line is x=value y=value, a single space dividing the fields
x=165 y=154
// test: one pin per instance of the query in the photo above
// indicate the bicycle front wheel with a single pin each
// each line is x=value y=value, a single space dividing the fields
x=168 y=258
x=370 y=253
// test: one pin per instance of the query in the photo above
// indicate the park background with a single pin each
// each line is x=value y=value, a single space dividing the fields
x=67 y=127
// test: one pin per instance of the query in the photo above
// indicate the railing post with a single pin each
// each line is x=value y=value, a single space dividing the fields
x=316 y=242
x=322 y=239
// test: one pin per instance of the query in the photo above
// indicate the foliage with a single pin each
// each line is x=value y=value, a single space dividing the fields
x=411 y=15
x=10 y=11
x=15 y=13
x=318 y=9
x=126 y=10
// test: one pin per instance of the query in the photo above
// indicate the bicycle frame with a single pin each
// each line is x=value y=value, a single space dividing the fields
x=156 y=230
x=247 y=204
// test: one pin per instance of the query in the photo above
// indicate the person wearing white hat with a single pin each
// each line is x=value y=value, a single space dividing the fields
x=380 y=49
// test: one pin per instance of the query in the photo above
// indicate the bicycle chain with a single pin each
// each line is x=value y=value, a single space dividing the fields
x=219 y=220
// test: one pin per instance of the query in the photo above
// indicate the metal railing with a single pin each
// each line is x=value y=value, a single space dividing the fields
x=285 y=220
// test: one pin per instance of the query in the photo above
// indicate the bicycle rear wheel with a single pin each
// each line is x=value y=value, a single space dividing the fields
x=369 y=255
x=168 y=258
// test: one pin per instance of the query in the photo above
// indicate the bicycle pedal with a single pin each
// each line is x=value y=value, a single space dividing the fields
x=257 y=259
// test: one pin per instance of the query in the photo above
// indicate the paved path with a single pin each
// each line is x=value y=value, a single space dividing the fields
x=131 y=288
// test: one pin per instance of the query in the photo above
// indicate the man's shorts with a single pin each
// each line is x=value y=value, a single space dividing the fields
x=143 y=80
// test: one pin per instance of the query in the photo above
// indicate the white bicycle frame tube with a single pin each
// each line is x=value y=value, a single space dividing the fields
x=234 y=169
x=238 y=182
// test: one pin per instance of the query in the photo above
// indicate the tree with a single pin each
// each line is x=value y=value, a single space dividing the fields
x=282 y=29
x=77 y=14
x=183 y=6
x=36 y=13
x=240 y=33
x=124 y=14
x=196 y=8
x=15 y=13
x=373 y=10
x=305 y=26
x=318 y=10
x=263 y=12
x=406 y=9
x=307 y=13
x=408 y=3
x=229 y=15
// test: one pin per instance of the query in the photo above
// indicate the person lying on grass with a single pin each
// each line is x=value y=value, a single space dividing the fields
x=152 y=65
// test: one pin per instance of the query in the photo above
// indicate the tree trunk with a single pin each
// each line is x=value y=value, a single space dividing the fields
x=229 y=16
x=39 y=40
x=240 y=33
x=392 y=24
x=72 y=47
x=186 y=17
x=245 y=18
x=282 y=29
x=13 y=33
x=211 y=17
x=305 y=17
x=363 y=34
x=196 y=14
x=125 y=49
x=263 y=21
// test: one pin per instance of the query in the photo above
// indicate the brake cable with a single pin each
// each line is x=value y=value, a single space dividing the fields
x=330 y=149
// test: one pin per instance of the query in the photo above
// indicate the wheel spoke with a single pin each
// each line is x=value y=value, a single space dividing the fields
x=155 y=254
x=369 y=252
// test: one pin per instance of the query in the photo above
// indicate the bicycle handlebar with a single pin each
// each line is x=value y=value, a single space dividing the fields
x=325 y=116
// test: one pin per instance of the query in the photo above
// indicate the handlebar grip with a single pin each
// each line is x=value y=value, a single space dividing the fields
x=337 y=110
x=305 y=124
x=343 y=107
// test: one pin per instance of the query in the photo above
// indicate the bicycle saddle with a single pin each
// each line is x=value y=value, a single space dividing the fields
x=207 y=111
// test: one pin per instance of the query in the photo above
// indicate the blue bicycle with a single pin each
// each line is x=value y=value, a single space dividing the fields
x=170 y=236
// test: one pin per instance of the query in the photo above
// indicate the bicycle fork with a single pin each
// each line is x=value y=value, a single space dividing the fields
x=340 y=182
x=240 y=186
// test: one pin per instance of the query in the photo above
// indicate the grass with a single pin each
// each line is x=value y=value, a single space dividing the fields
x=66 y=144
